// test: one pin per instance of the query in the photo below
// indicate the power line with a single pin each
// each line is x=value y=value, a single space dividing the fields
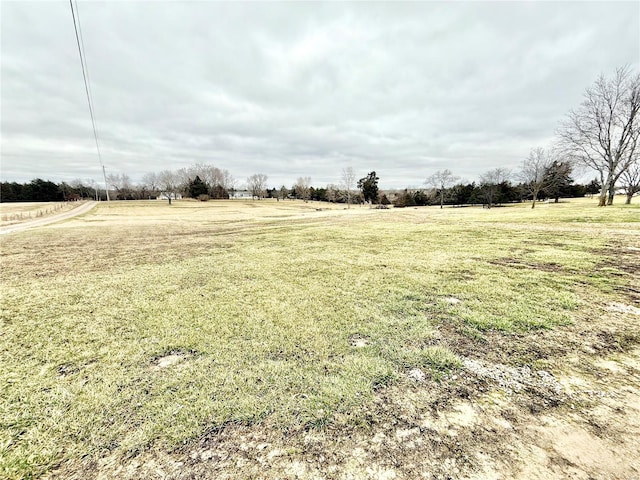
x=86 y=88
x=84 y=54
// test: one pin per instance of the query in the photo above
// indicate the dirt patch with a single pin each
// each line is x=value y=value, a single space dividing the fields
x=358 y=341
x=170 y=359
x=452 y=300
x=578 y=447
x=417 y=375
x=622 y=308
x=622 y=257
x=519 y=263
x=514 y=379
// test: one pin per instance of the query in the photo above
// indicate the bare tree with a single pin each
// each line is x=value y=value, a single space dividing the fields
x=631 y=181
x=93 y=184
x=603 y=132
x=535 y=171
x=122 y=184
x=150 y=183
x=348 y=180
x=441 y=181
x=257 y=184
x=227 y=181
x=168 y=184
x=333 y=193
x=490 y=183
x=82 y=188
x=182 y=177
x=303 y=188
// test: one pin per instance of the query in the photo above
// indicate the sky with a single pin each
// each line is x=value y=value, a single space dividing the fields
x=293 y=89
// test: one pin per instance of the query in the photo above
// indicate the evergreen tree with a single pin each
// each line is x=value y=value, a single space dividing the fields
x=369 y=187
x=593 y=187
x=197 y=187
x=557 y=180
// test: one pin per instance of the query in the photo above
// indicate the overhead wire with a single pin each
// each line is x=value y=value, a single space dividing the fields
x=85 y=76
x=84 y=57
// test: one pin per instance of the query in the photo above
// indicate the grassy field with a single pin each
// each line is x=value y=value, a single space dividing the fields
x=142 y=328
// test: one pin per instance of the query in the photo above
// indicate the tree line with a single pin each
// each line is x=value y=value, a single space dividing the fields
x=442 y=188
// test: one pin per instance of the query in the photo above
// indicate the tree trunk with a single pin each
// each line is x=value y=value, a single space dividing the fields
x=604 y=188
x=602 y=200
x=441 y=198
x=533 y=205
x=612 y=192
x=628 y=200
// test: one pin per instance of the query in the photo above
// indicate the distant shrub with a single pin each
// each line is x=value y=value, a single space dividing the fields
x=404 y=199
x=204 y=197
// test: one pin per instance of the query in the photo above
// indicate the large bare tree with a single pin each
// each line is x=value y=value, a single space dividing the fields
x=348 y=180
x=535 y=171
x=602 y=133
x=441 y=181
x=257 y=184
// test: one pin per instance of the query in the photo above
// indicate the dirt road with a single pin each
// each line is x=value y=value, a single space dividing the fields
x=83 y=208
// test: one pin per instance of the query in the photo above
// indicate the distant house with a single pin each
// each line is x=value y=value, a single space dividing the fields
x=241 y=194
x=167 y=195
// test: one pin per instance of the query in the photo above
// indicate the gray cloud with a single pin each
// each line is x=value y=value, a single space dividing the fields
x=300 y=89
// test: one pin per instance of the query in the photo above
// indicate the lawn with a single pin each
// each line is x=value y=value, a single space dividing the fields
x=143 y=327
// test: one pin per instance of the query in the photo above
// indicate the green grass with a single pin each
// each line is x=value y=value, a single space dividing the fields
x=262 y=302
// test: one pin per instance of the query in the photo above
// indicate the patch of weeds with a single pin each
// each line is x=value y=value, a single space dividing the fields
x=484 y=323
x=473 y=334
x=14 y=463
x=434 y=358
x=439 y=358
x=318 y=423
x=383 y=380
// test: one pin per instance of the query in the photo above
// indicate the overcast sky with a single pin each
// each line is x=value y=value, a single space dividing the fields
x=299 y=89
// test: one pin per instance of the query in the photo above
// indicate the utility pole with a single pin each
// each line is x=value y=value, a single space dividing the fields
x=106 y=187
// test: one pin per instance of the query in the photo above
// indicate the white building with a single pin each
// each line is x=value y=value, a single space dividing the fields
x=241 y=194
